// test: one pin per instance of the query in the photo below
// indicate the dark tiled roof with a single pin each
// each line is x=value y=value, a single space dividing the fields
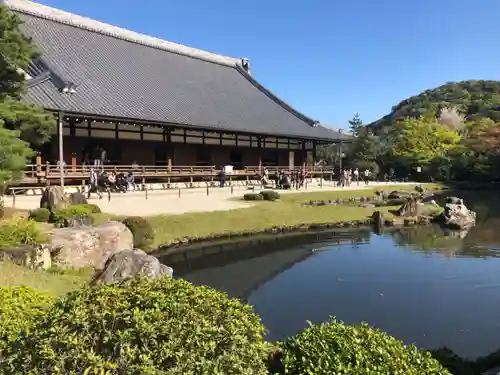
x=123 y=74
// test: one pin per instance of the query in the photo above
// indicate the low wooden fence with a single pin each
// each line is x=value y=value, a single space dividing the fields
x=79 y=174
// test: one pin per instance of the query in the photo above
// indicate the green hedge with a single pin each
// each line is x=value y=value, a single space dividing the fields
x=338 y=348
x=75 y=211
x=270 y=195
x=19 y=231
x=92 y=208
x=253 y=197
x=142 y=231
x=20 y=308
x=164 y=326
x=41 y=215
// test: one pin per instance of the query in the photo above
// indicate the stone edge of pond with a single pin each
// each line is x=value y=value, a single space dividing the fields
x=397 y=222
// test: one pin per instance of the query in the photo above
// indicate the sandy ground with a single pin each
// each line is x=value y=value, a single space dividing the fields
x=169 y=202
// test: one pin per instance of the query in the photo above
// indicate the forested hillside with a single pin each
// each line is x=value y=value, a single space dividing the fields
x=473 y=98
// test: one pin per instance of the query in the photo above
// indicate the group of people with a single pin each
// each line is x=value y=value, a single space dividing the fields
x=100 y=181
x=98 y=157
x=285 y=180
x=348 y=176
x=296 y=179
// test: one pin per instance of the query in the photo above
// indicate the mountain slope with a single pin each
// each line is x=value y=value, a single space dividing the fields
x=473 y=98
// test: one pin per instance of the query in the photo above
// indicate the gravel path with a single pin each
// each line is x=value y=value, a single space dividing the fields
x=168 y=201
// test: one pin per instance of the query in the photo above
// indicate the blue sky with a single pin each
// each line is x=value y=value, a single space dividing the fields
x=327 y=58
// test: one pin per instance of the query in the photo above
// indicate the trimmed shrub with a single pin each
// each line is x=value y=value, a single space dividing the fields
x=337 y=348
x=20 y=308
x=93 y=208
x=163 y=326
x=41 y=215
x=270 y=195
x=19 y=231
x=253 y=197
x=142 y=231
x=76 y=211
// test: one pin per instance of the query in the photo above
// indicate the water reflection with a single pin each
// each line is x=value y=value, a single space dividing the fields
x=423 y=285
x=467 y=243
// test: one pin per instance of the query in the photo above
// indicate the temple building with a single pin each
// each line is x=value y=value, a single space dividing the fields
x=154 y=102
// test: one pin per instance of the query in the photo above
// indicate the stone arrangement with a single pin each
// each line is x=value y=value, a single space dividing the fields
x=128 y=264
x=336 y=202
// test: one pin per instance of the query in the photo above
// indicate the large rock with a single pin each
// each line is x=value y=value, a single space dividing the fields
x=33 y=257
x=77 y=198
x=457 y=215
x=89 y=246
x=398 y=195
x=53 y=198
x=128 y=264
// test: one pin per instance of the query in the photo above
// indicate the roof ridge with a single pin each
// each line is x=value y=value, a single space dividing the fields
x=57 y=15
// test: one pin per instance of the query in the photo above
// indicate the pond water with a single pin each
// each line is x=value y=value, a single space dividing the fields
x=422 y=285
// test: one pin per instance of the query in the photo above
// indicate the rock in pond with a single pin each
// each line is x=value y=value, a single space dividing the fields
x=457 y=215
x=127 y=264
x=89 y=246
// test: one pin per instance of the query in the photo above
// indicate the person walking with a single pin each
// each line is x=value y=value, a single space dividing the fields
x=93 y=184
x=222 y=177
x=356 y=176
x=367 y=174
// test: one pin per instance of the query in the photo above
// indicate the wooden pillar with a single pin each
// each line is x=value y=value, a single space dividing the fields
x=73 y=162
x=314 y=153
x=169 y=162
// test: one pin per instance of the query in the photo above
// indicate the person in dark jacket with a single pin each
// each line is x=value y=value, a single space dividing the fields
x=222 y=177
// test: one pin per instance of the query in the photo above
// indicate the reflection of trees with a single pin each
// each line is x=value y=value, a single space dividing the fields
x=435 y=239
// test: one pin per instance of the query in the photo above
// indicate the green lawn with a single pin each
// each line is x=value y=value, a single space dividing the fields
x=55 y=282
x=287 y=211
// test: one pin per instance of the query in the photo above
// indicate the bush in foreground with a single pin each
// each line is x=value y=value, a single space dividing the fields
x=142 y=231
x=20 y=308
x=41 y=215
x=270 y=195
x=338 y=348
x=164 y=326
x=75 y=211
x=253 y=197
x=19 y=231
x=92 y=208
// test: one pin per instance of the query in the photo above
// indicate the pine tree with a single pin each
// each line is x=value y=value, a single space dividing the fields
x=355 y=124
x=21 y=124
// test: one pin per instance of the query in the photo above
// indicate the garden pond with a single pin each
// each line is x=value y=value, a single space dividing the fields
x=421 y=284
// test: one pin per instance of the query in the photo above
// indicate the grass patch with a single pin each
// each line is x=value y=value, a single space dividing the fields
x=286 y=211
x=55 y=282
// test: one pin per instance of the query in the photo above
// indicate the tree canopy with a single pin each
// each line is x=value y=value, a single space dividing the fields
x=21 y=124
x=473 y=98
x=451 y=132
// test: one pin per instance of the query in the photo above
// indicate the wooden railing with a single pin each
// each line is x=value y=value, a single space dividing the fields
x=42 y=173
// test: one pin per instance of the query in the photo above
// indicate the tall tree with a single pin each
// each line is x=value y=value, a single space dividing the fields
x=355 y=124
x=422 y=140
x=21 y=124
